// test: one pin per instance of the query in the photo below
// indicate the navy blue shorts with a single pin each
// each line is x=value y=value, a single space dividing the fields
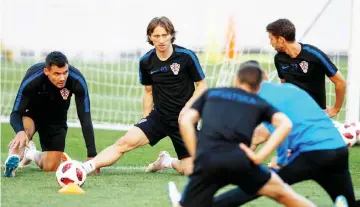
x=329 y=168
x=216 y=169
x=52 y=135
x=156 y=129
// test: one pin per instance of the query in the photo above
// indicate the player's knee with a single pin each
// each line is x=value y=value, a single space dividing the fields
x=275 y=188
x=124 y=144
x=280 y=192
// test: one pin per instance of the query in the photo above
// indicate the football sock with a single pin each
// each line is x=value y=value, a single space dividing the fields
x=30 y=154
x=89 y=166
x=168 y=162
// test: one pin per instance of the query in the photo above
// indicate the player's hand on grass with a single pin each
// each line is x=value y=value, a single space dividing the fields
x=251 y=155
x=20 y=140
x=331 y=112
x=97 y=170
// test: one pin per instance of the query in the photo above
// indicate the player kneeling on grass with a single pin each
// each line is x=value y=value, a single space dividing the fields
x=229 y=117
x=41 y=105
x=318 y=151
x=169 y=73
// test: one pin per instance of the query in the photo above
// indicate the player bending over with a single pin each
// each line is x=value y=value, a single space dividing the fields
x=229 y=117
x=318 y=151
x=169 y=73
x=41 y=105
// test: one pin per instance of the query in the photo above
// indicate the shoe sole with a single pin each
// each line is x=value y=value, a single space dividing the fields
x=11 y=166
x=177 y=204
x=169 y=197
x=341 y=201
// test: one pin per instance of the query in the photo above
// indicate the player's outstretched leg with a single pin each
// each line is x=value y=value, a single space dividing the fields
x=16 y=153
x=276 y=189
x=133 y=139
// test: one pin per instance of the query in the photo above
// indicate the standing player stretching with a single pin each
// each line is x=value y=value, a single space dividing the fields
x=229 y=117
x=304 y=65
x=318 y=151
x=169 y=74
x=41 y=105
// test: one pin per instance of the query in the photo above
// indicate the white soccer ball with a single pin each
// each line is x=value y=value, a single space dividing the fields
x=348 y=134
x=355 y=125
x=70 y=171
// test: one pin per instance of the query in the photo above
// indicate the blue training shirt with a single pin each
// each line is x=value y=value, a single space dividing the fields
x=312 y=128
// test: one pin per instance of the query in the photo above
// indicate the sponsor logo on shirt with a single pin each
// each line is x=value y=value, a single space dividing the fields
x=158 y=70
x=142 y=120
x=284 y=67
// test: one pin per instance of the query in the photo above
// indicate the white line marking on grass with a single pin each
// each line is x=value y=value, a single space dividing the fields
x=117 y=167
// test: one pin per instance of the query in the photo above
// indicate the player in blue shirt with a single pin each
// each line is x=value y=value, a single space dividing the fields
x=229 y=117
x=317 y=150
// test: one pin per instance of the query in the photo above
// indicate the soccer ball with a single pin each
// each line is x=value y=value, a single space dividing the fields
x=70 y=171
x=355 y=125
x=348 y=134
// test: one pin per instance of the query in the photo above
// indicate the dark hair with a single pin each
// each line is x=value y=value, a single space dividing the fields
x=163 y=22
x=251 y=73
x=56 y=58
x=282 y=27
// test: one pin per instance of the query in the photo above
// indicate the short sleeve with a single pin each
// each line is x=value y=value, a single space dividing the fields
x=194 y=67
x=278 y=69
x=268 y=112
x=144 y=76
x=322 y=59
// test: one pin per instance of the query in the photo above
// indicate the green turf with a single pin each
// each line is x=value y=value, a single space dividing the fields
x=127 y=187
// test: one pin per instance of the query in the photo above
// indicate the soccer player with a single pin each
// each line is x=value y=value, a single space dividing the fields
x=229 y=117
x=41 y=105
x=169 y=74
x=304 y=65
x=318 y=151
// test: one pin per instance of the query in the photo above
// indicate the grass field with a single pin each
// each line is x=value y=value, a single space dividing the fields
x=115 y=95
x=125 y=184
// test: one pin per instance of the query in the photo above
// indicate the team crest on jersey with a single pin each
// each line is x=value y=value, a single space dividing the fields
x=175 y=67
x=65 y=93
x=304 y=66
